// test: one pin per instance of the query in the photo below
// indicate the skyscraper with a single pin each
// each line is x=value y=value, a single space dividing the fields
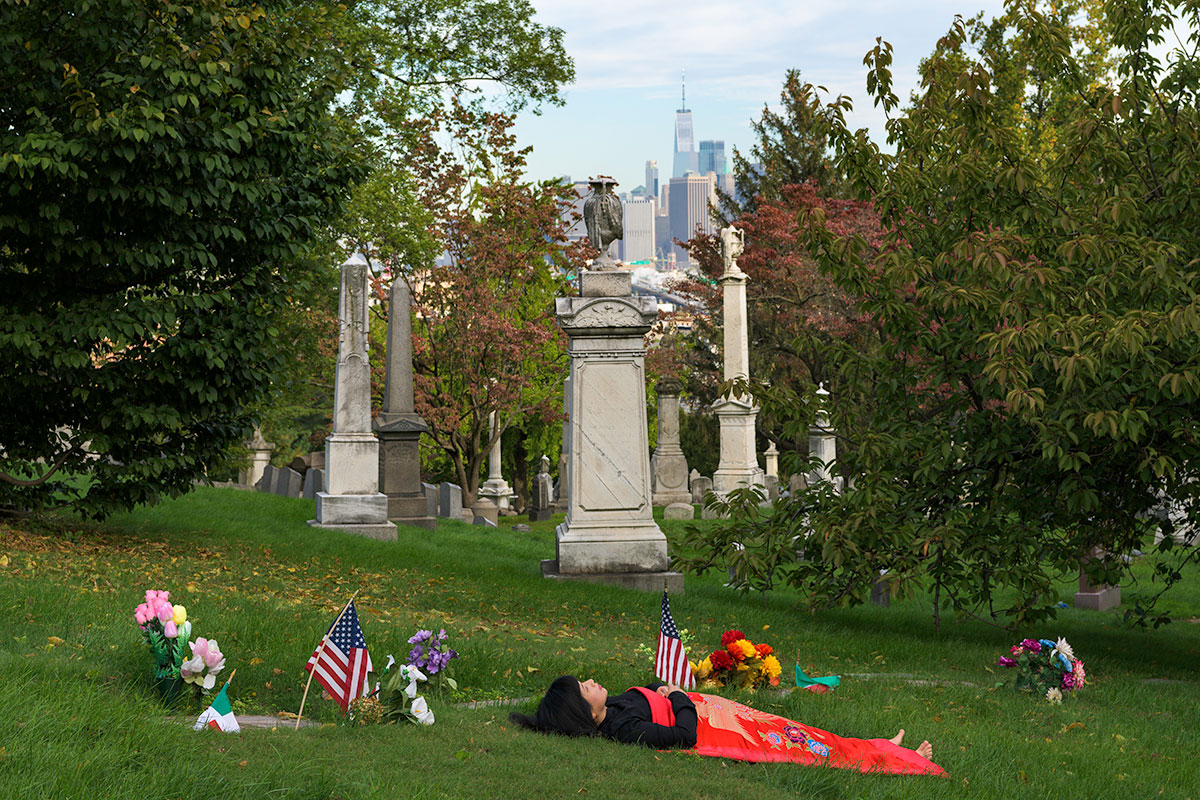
x=685 y=145
x=638 y=241
x=690 y=198
x=712 y=157
x=652 y=179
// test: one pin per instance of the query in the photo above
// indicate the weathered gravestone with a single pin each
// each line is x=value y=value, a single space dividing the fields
x=314 y=481
x=398 y=425
x=772 y=484
x=290 y=483
x=266 y=483
x=679 y=511
x=486 y=512
x=797 y=483
x=542 y=496
x=260 y=459
x=450 y=501
x=352 y=501
x=431 y=499
x=668 y=465
x=700 y=487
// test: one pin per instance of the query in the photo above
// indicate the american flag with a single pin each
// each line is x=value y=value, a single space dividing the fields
x=671 y=664
x=344 y=663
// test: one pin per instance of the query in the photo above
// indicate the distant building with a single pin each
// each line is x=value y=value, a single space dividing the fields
x=689 y=212
x=685 y=144
x=712 y=157
x=638 y=241
x=651 y=184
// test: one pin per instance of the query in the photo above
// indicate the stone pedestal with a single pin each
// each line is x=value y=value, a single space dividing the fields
x=352 y=501
x=738 y=466
x=822 y=444
x=771 y=457
x=398 y=425
x=1096 y=598
x=609 y=529
x=495 y=488
x=260 y=459
x=668 y=465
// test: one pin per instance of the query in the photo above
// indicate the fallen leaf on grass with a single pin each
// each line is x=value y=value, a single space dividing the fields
x=54 y=640
x=254 y=662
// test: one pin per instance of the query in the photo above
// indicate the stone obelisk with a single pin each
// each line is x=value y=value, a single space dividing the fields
x=609 y=534
x=352 y=501
x=738 y=465
x=398 y=424
x=495 y=488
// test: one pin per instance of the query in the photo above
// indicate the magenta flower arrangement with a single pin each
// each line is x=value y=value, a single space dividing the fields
x=1046 y=668
x=166 y=629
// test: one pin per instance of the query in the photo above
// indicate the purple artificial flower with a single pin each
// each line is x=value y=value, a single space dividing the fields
x=1032 y=645
x=420 y=636
x=414 y=656
x=1068 y=680
x=1005 y=661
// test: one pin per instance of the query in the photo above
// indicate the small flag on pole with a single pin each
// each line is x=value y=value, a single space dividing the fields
x=671 y=664
x=219 y=715
x=341 y=662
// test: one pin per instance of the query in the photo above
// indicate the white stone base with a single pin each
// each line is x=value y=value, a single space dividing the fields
x=1099 y=600
x=352 y=509
x=385 y=532
x=639 y=547
x=352 y=464
x=496 y=490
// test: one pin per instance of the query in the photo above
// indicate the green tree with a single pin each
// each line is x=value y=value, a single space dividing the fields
x=164 y=166
x=1035 y=391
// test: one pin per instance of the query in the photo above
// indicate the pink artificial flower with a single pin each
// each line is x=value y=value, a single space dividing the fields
x=143 y=614
x=1079 y=673
x=153 y=597
x=1032 y=645
x=213 y=658
x=164 y=612
x=1005 y=661
x=199 y=647
x=1068 y=680
x=1016 y=650
x=169 y=629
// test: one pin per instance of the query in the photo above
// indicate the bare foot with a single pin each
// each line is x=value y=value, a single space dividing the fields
x=925 y=749
x=898 y=738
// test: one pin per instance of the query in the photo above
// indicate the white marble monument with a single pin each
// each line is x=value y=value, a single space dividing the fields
x=668 y=465
x=352 y=501
x=495 y=488
x=738 y=465
x=260 y=458
x=609 y=534
x=822 y=443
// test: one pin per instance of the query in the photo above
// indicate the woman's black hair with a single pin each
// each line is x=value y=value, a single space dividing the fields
x=563 y=711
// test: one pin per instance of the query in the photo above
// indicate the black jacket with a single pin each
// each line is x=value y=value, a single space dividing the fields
x=628 y=720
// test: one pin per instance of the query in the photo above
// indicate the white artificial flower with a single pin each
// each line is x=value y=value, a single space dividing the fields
x=421 y=710
x=210 y=681
x=413 y=675
x=1054 y=696
x=190 y=670
x=389 y=663
x=1065 y=649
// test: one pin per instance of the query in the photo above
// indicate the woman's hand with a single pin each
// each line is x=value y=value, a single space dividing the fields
x=666 y=691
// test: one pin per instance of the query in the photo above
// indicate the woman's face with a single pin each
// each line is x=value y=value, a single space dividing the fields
x=594 y=695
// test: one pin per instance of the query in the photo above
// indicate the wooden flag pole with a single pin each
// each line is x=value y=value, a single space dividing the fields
x=320 y=650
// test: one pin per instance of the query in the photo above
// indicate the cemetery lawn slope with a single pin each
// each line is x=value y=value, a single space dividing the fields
x=80 y=714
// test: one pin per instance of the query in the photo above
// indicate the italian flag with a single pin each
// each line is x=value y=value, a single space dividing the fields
x=219 y=715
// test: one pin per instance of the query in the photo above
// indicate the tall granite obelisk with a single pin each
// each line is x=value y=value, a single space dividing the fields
x=398 y=424
x=609 y=534
x=352 y=501
x=738 y=465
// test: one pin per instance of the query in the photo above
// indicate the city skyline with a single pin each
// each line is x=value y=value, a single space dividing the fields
x=628 y=56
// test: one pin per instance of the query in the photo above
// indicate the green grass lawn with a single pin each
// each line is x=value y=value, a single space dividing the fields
x=80 y=718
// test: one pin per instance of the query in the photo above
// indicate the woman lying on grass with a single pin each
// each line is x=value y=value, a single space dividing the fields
x=664 y=716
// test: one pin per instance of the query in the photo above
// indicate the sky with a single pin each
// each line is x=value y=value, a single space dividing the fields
x=629 y=54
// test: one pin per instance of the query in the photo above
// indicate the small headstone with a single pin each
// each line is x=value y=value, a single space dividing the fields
x=291 y=484
x=733 y=581
x=708 y=513
x=679 y=511
x=316 y=459
x=542 y=496
x=880 y=594
x=266 y=482
x=314 y=481
x=521 y=527
x=450 y=501
x=486 y=512
x=299 y=465
x=431 y=499
x=700 y=487
x=279 y=485
x=772 y=484
x=797 y=483
x=1096 y=598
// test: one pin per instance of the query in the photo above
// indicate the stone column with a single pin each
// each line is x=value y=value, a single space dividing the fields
x=352 y=500
x=495 y=488
x=562 y=500
x=738 y=464
x=771 y=455
x=821 y=441
x=668 y=465
x=260 y=457
x=398 y=425
x=609 y=534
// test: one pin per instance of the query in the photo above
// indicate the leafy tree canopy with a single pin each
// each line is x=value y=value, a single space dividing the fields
x=1038 y=305
x=164 y=166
